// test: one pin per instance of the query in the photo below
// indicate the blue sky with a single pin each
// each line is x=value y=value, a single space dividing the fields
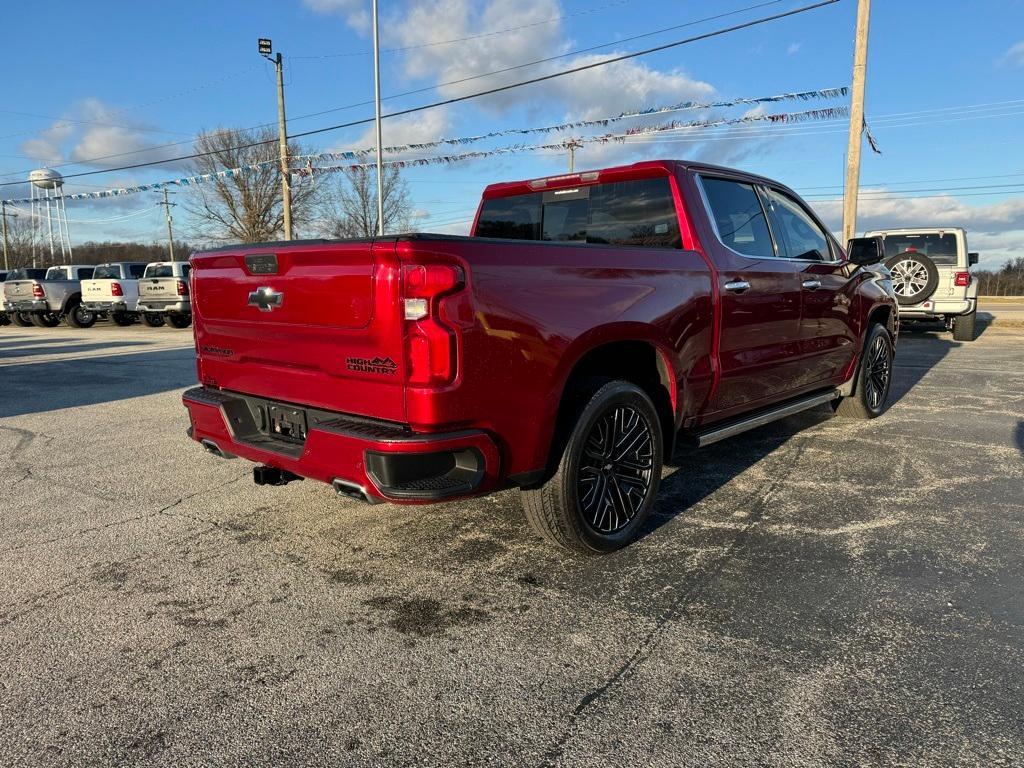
x=945 y=95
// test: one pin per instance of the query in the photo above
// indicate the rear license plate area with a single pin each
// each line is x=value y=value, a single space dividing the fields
x=284 y=423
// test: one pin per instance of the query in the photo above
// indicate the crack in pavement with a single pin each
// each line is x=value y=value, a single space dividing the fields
x=758 y=501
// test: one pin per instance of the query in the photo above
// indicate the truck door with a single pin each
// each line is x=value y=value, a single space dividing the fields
x=760 y=295
x=828 y=334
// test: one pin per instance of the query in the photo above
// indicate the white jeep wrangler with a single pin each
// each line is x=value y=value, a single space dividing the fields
x=931 y=277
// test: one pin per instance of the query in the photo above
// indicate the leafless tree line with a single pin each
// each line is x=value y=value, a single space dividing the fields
x=1007 y=281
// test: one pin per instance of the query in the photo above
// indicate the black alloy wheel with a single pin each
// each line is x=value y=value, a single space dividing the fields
x=878 y=375
x=614 y=473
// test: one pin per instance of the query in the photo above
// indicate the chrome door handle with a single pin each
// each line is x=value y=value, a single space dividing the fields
x=812 y=285
x=737 y=286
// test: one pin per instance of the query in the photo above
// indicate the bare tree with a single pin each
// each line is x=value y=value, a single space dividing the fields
x=21 y=237
x=245 y=206
x=352 y=209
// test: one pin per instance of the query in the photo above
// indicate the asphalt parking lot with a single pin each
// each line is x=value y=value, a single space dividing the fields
x=816 y=592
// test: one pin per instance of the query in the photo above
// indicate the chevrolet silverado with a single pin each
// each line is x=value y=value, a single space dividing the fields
x=589 y=323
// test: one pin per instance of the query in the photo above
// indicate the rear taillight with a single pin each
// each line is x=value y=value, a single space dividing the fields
x=182 y=288
x=115 y=289
x=961 y=279
x=431 y=344
x=37 y=291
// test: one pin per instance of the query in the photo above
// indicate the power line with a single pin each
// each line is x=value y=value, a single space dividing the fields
x=428 y=88
x=467 y=97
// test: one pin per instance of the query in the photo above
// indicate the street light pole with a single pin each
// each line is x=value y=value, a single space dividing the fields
x=851 y=187
x=376 y=97
x=265 y=48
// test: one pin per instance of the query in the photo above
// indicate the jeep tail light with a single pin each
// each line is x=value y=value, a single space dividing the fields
x=37 y=291
x=182 y=288
x=960 y=279
x=115 y=289
x=430 y=342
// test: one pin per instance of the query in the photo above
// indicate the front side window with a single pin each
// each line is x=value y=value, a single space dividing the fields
x=136 y=270
x=796 y=232
x=739 y=217
x=638 y=213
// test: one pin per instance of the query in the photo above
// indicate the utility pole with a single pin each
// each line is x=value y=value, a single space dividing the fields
x=3 y=215
x=170 y=234
x=572 y=145
x=860 y=66
x=265 y=48
x=376 y=98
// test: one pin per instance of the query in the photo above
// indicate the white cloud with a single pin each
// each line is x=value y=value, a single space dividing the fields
x=793 y=48
x=355 y=12
x=1014 y=56
x=91 y=131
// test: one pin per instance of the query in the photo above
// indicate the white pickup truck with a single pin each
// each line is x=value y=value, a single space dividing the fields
x=164 y=294
x=113 y=291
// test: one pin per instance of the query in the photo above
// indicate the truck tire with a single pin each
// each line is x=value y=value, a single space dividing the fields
x=78 y=316
x=914 y=277
x=179 y=321
x=963 y=326
x=21 y=319
x=608 y=472
x=122 y=319
x=45 y=319
x=153 y=320
x=874 y=378
x=5 y=319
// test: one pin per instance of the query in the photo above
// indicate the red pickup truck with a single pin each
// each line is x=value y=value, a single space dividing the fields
x=590 y=322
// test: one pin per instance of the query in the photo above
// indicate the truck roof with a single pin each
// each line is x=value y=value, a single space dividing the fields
x=642 y=170
x=913 y=231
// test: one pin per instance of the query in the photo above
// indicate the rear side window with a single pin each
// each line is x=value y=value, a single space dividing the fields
x=941 y=249
x=798 y=235
x=628 y=213
x=136 y=270
x=159 y=270
x=185 y=269
x=738 y=217
x=512 y=218
x=85 y=273
x=107 y=272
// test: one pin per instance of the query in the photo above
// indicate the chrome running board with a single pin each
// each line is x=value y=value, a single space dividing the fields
x=715 y=433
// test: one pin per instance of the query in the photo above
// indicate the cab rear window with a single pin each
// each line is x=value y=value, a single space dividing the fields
x=107 y=272
x=940 y=248
x=626 y=213
x=159 y=270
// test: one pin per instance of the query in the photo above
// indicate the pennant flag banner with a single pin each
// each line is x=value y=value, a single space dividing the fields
x=357 y=155
x=823 y=93
x=792 y=117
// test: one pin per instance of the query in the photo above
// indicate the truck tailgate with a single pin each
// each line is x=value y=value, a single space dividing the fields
x=98 y=290
x=311 y=324
x=18 y=289
x=159 y=288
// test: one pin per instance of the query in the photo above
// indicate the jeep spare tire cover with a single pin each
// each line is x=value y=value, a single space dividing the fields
x=914 y=277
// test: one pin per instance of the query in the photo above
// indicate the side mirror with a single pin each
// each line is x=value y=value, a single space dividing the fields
x=865 y=250
x=972 y=259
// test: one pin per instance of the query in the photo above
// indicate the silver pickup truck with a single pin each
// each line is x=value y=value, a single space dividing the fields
x=45 y=300
x=164 y=294
x=931 y=276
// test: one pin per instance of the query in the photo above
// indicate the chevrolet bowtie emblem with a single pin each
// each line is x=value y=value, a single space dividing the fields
x=267 y=299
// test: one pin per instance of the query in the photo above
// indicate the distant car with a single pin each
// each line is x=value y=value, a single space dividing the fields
x=113 y=291
x=931 y=276
x=43 y=297
x=164 y=293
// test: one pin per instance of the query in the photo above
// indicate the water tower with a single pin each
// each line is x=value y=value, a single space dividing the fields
x=47 y=203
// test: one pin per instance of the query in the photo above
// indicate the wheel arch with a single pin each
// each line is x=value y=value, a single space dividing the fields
x=629 y=353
